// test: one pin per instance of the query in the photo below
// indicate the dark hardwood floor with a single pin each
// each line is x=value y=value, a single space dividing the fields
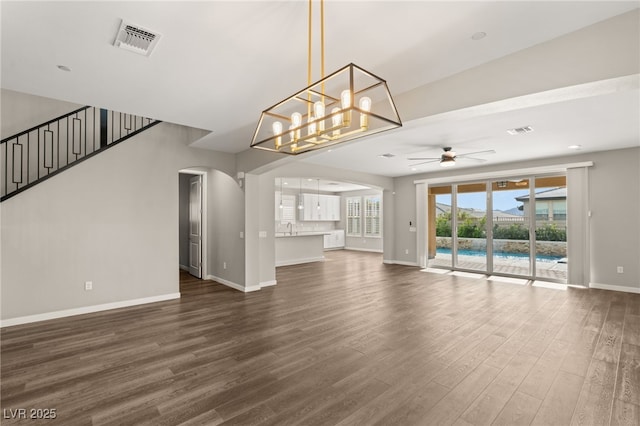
x=349 y=341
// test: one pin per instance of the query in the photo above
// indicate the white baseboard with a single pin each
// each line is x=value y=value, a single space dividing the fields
x=184 y=268
x=400 y=262
x=363 y=249
x=300 y=261
x=87 y=310
x=233 y=285
x=615 y=288
x=268 y=283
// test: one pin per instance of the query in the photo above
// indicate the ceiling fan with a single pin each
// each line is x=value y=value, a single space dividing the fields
x=448 y=157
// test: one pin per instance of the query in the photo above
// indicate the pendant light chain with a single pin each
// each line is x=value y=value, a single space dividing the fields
x=310 y=50
x=309 y=46
x=321 y=46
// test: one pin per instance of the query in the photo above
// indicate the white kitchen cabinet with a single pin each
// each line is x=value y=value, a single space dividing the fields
x=334 y=239
x=320 y=207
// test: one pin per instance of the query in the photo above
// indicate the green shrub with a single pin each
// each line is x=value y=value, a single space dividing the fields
x=515 y=231
x=550 y=232
x=471 y=227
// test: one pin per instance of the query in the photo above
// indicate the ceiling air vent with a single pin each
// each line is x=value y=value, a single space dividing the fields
x=520 y=130
x=135 y=38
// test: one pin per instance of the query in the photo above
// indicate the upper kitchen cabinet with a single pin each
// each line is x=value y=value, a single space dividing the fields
x=319 y=207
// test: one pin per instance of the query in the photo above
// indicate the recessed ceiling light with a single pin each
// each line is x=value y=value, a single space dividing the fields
x=574 y=146
x=64 y=68
x=387 y=155
x=479 y=35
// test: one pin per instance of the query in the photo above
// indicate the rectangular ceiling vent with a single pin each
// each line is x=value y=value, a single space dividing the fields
x=135 y=38
x=520 y=130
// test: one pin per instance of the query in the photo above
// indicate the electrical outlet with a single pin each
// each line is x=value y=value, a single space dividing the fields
x=224 y=265
x=620 y=270
x=88 y=285
x=406 y=251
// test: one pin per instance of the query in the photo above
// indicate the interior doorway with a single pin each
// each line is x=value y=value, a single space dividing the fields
x=192 y=222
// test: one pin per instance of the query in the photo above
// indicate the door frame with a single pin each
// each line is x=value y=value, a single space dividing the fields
x=204 y=199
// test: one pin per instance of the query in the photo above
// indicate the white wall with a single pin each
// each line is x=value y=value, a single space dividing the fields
x=21 y=111
x=615 y=204
x=225 y=203
x=615 y=220
x=112 y=220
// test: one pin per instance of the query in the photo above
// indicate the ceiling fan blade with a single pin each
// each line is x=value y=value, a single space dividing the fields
x=425 y=162
x=423 y=158
x=482 y=160
x=489 y=151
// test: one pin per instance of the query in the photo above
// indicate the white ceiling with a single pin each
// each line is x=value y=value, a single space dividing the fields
x=219 y=64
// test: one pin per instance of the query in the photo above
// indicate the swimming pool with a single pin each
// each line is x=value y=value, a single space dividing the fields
x=501 y=255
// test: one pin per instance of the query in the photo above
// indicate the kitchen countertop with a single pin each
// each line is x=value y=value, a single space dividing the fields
x=300 y=234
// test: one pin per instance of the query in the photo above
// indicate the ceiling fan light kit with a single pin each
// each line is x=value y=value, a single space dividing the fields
x=345 y=105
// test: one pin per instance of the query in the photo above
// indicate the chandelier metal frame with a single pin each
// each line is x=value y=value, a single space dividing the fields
x=325 y=113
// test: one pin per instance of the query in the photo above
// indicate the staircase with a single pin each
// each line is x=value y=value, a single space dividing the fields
x=43 y=151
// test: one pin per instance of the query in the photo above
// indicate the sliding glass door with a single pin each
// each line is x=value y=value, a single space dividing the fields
x=551 y=228
x=440 y=226
x=471 y=227
x=513 y=227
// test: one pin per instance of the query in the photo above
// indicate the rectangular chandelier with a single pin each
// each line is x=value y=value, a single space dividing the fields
x=346 y=105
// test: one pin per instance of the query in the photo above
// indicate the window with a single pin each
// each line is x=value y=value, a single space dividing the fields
x=285 y=209
x=542 y=210
x=353 y=216
x=560 y=210
x=372 y=216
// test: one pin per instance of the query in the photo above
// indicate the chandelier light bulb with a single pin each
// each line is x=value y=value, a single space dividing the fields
x=296 y=119
x=345 y=99
x=311 y=127
x=365 y=105
x=336 y=121
x=277 y=131
x=318 y=111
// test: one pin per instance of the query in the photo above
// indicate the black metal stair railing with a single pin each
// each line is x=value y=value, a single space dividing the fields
x=43 y=151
